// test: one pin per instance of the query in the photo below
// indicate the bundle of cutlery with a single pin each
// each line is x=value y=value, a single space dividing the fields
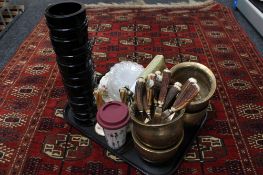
x=157 y=101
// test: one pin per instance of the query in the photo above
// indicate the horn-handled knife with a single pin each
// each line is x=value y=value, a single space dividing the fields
x=171 y=95
x=139 y=91
x=123 y=95
x=164 y=88
x=189 y=90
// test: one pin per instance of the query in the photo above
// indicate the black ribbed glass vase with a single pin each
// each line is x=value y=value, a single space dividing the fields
x=67 y=24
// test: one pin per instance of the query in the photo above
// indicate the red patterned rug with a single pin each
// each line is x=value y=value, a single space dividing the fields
x=34 y=138
x=9 y=12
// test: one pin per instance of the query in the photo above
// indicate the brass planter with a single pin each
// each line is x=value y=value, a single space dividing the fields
x=205 y=79
x=155 y=155
x=159 y=136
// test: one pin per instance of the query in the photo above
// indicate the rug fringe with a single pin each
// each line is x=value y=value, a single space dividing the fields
x=142 y=4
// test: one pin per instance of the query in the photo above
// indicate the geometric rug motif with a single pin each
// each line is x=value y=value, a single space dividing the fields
x=34 y=138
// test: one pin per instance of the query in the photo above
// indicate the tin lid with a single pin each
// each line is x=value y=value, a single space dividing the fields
x=113 y=115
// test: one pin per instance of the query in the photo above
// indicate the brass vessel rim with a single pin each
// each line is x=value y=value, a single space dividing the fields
x=182 y=111
x=205 y=69
x=156 y=150
x=150 y=146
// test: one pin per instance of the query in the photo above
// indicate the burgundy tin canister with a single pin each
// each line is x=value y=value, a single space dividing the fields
x=113 y=117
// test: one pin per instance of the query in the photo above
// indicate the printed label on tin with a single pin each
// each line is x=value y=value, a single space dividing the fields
x=116 y=138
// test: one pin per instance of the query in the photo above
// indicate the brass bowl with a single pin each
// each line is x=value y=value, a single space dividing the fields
x=160 y=135
x=153 y=155
x=205 y=79
x=193 y=119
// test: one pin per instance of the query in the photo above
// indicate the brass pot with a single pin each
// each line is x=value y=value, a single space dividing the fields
x=193 y=119
x=161 y=135
x=205 y=79
x=153 y=155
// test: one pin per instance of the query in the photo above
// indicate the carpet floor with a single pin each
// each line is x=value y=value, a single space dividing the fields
x=34 y=10
x=34 y=138
x=8 y=15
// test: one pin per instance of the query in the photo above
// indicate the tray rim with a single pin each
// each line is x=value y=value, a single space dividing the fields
x=118 y=151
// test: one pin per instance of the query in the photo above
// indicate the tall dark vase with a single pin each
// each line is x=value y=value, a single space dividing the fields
x=67 y=24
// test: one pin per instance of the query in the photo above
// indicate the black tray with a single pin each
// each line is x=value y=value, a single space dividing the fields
x=129 y=154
